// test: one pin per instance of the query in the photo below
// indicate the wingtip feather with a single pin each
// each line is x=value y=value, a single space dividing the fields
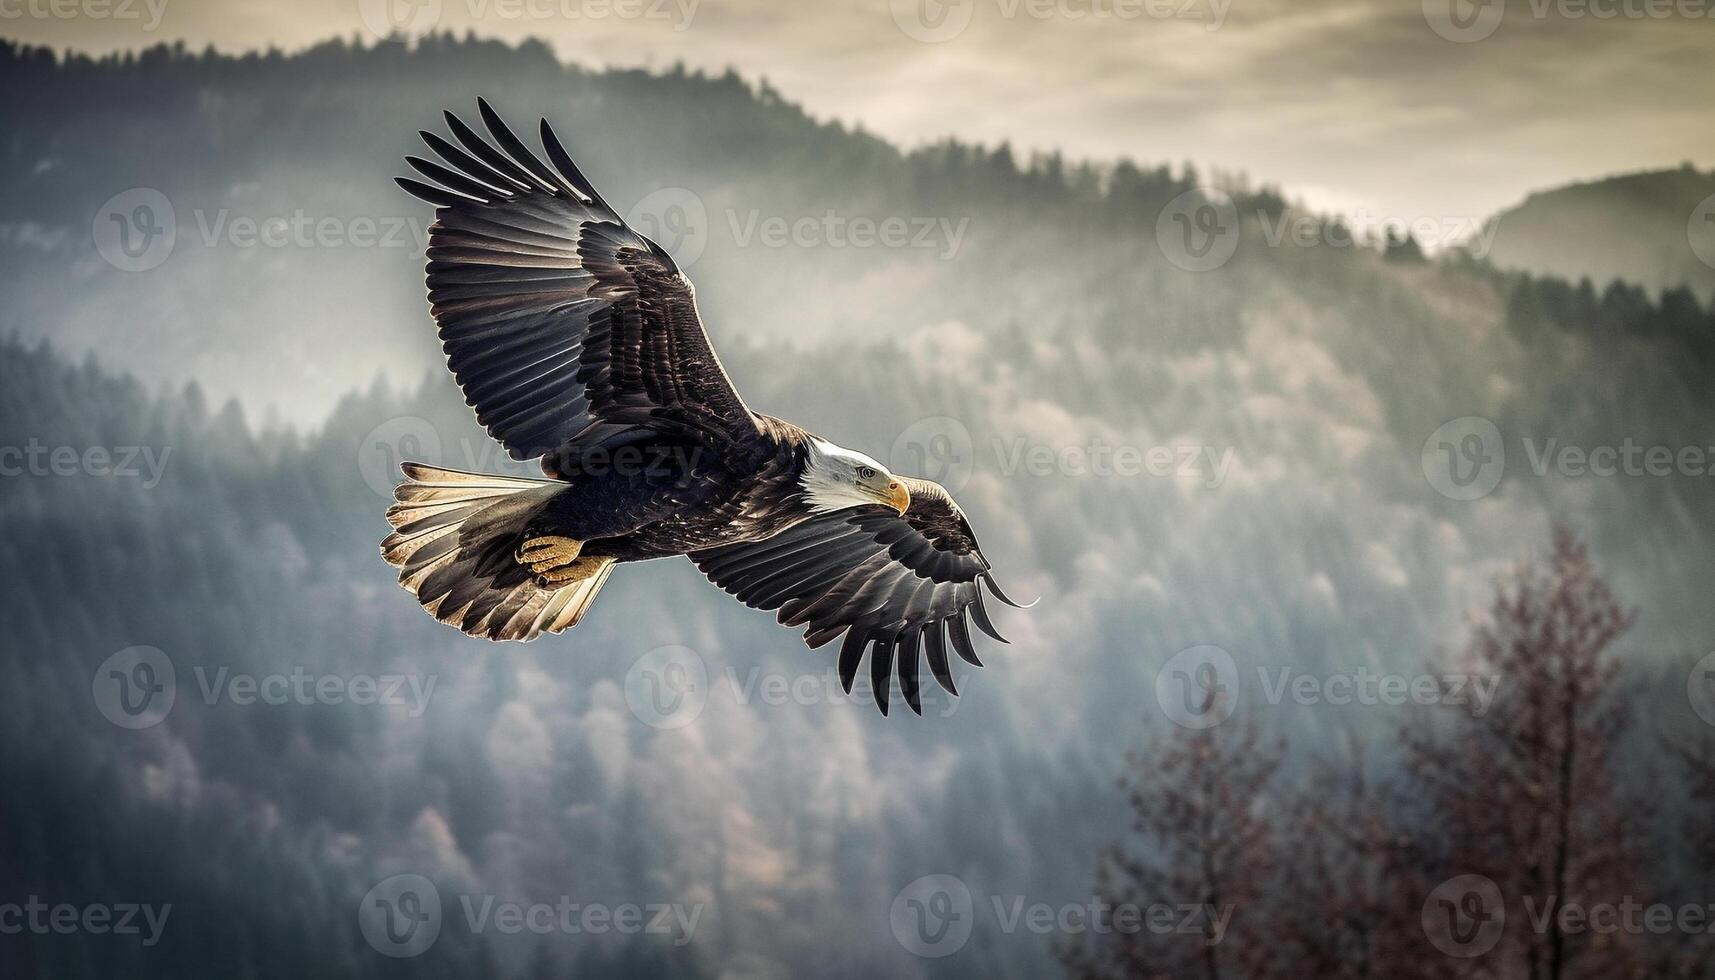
x=989 y=581
x=438 y=196
x=980 y=616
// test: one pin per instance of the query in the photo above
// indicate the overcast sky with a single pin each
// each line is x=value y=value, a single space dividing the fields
x=1403 y=109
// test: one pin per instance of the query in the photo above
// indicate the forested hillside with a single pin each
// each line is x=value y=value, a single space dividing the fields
x=265 y=394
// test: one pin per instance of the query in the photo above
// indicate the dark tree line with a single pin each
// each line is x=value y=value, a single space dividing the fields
x=1621 y=310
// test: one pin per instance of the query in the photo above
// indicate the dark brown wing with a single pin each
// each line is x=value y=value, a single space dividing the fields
x=564 y=326
x=901 y=585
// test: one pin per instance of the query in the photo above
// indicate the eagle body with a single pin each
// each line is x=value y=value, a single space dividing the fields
x=667 y=498
x=577 y=342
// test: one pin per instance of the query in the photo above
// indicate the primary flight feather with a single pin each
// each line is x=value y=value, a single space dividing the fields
x=577 y=341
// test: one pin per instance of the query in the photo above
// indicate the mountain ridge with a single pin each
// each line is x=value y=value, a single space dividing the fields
x=1638 y=226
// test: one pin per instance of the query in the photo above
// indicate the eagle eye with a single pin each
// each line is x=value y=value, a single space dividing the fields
x=866 y=472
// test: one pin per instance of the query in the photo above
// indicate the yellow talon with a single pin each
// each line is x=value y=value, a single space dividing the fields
x=550 y=549
x=564 y=575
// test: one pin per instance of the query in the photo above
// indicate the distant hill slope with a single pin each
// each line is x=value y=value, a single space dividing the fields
x=1634 y=227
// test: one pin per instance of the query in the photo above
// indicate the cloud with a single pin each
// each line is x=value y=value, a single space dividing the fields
x=1358 y=94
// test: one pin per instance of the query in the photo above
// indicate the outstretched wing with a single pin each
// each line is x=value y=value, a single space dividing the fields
x=903 y=585
x=564 y=326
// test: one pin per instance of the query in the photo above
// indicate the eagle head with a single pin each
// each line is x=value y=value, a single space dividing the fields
x=835 y=478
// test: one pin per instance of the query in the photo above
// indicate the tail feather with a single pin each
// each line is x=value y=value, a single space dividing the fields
x=454 y=538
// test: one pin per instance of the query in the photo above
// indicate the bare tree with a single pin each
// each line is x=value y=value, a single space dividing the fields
x=1524 y=792
x=1699 y=762
x=1204 y=840
x=1694 y=959
x=1352 y=867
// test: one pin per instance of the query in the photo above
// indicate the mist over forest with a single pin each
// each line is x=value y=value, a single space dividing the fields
x=1252 y=456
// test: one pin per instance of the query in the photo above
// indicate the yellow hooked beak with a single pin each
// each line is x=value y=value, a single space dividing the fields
x=896 y=496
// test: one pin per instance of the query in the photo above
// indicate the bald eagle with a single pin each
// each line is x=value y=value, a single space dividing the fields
x=577 y=341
